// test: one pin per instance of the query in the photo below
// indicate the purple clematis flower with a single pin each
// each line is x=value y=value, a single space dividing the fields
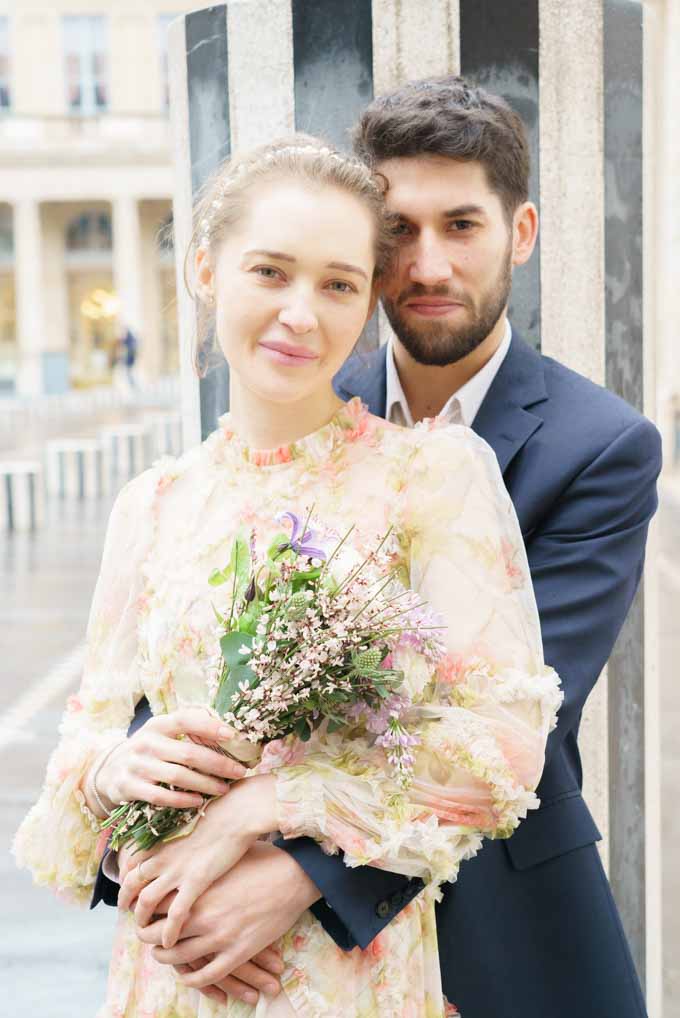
x=299 y=542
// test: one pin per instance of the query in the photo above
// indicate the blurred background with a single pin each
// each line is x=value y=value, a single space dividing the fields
x=90 y=394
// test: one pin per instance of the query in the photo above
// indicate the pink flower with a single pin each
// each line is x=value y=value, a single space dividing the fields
x=74 y=704
x=451 y=670
x=512 y=570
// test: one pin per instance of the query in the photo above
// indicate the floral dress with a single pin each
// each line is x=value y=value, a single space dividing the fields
x=484 y=711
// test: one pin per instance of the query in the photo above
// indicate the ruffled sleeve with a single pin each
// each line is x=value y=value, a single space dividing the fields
x=57 y=840
x=482 y=716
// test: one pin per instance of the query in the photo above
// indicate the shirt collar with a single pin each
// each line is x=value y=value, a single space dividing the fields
x=462 y=406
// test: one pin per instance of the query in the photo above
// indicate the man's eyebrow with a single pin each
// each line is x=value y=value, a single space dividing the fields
x=281 y=257
x=464 y=210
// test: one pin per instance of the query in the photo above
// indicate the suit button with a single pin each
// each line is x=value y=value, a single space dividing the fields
x=383 y=909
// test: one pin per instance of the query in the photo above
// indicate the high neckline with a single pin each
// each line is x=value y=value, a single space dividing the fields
x=346 y=424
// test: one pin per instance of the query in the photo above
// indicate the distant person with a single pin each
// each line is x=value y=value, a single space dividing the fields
x=129 y=350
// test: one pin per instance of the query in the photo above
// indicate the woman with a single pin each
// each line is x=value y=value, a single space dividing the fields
x=290 y=244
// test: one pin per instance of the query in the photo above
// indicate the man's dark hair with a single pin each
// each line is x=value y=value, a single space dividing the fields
x=449 y=117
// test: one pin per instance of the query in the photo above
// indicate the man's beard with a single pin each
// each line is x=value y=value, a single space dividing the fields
x=439 y=344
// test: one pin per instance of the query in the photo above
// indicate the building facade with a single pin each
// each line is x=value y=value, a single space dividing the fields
x=86 y=187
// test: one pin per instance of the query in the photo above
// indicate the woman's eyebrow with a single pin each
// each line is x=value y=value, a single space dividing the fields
x=344 y=267
x=280 y=256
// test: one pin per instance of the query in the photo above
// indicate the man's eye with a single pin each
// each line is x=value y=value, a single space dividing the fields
x=460 y=225
x=399 y=229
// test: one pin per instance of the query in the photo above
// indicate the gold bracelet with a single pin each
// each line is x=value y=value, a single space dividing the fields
x=100 y=763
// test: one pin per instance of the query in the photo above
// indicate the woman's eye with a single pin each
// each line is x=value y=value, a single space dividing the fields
x=340 y=286
x=399 y=229
x=267 y=272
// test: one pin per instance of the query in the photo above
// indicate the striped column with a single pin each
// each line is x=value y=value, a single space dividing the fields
x=76 y=468
x=246 y=72
x=166 y=434
x=128 y=449
x=22 y=495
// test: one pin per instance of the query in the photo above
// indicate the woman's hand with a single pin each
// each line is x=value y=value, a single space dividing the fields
x=189 y=865
x=157 y=754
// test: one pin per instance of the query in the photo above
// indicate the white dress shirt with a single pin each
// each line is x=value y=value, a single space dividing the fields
x=462 y=406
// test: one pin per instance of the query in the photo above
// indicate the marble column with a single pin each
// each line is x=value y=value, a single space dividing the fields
x=30 y=294
x=572 y=69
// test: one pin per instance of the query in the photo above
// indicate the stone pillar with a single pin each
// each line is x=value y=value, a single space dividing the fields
x=127 y=264
x=56 y=353
x=30 y=293
x=573 y=70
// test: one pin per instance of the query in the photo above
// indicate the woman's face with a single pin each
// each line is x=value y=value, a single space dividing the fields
x=292 y=287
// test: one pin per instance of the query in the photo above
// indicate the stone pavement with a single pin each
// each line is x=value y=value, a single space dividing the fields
x=53 y=958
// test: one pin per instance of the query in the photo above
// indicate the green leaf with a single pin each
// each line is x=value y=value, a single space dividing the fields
x=229 y=689
x=218 y=577
x=335 y=725
x=273 y=553
x=231 y=646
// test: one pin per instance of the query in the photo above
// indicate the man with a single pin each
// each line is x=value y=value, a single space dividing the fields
x=530 y=929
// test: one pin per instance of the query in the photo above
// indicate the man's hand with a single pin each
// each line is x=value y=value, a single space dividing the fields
x=239 y=916
x=189 y=865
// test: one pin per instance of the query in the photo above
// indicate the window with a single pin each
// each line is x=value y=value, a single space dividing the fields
x=85 y=51
x=89 y=231
x=163 y=22
x=5 y=101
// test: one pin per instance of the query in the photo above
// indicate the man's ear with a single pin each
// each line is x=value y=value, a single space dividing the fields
x=524 y=232
x=204 y=274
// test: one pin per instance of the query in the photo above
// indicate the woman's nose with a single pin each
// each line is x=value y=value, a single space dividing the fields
x=299 y=318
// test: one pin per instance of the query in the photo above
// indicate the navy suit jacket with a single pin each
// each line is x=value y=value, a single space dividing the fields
x=530 y=929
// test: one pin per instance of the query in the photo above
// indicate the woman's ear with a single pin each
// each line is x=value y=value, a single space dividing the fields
x=205 y=275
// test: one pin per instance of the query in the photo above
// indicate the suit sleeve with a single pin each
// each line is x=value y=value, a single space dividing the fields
x=586 y=560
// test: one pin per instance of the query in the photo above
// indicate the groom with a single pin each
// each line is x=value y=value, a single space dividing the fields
x=530 y=930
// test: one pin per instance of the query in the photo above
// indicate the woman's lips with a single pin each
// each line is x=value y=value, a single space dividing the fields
x=433 y=310
x=284 y=353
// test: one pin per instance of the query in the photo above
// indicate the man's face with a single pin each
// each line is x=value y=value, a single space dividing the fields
x=452 y=276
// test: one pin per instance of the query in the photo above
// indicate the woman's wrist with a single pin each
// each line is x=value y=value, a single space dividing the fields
x=97 y=800
x=254 y=802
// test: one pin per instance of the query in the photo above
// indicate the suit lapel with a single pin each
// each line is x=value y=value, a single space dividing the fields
x=503 y=420
x=365 y=375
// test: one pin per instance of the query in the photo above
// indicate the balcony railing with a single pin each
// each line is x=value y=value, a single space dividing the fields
x=33 y=137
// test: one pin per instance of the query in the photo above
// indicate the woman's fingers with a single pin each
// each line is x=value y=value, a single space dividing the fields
x=178 y=913
x=148 y=899
x=196 y=721
x=204 y=759
x=146 y=791
x=184 y=778
x=136 y=880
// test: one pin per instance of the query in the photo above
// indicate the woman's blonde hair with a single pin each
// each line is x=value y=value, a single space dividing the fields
x=224 y=198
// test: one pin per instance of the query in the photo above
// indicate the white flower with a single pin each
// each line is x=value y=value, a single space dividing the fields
x=244 y=649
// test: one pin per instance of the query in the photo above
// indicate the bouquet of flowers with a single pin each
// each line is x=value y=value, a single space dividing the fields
x=302 y=647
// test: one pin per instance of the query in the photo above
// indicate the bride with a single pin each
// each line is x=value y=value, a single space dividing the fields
x=289 y=247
